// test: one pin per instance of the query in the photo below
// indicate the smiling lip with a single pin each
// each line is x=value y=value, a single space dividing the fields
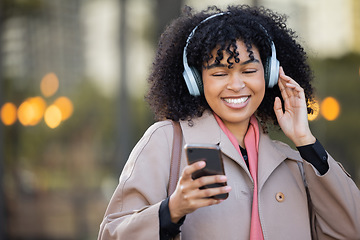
x=239 y=102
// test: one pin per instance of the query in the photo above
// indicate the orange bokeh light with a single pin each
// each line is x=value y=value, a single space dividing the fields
x=39 y=105
x=316 y=110
x=66 y=107
x=25 y=113
x=330 y=108
x=31 y=111
x=8 y=114
x=52 y=116
x=49 y=84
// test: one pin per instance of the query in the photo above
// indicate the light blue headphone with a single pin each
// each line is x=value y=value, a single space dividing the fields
x=192 y=76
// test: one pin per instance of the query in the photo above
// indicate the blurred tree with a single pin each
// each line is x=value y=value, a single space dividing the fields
x=2 y=160
x=124 y=113
x=165 y=11
x=339 y=78
x=127 y=126
x=9 y=8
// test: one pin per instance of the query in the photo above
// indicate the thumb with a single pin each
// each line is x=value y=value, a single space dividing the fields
x=278 y=108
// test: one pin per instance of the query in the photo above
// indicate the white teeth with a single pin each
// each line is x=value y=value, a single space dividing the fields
x=236 y=100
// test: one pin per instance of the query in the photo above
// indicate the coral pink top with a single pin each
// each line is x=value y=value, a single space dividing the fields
x=252 y=146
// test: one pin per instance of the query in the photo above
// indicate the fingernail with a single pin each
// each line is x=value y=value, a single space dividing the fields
x=223 y=178
x=228 y=188
x=201 y=164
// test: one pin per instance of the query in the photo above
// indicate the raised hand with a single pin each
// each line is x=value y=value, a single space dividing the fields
x=293 y=119
x=188 y=197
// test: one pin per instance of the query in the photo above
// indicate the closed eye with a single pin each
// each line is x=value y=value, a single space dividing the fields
x=250 y=71
x=219 y=74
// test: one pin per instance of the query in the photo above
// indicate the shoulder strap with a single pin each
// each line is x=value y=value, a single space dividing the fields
x=175 y=157
x=310 y=205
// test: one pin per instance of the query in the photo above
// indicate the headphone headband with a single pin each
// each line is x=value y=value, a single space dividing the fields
x=191 y=75
x=193 y=79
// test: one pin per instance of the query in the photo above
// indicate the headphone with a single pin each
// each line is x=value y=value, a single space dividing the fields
x=193 y=78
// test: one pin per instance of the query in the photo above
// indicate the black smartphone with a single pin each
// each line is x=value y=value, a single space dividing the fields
x=211 y=154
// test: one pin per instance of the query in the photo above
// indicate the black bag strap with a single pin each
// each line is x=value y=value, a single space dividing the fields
x=175 y=157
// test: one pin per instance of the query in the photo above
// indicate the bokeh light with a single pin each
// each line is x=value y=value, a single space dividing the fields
x=66 y=107
x=330 y=108
x=39 y=105
x=31 y=111
x=8 y=114
x=25 y=113
x=49 y=84
x=52 y=116
x=316 y=110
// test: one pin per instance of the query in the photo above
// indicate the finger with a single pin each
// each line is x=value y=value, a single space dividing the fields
x=292 y=93
x=296 y=87
x=282 y=88
x=278 y=108
x=293 y=96
x=286 y=78
x=210 y=192
x=190 y=169
x=206 y=180
x=298 y=93
x=285 y=81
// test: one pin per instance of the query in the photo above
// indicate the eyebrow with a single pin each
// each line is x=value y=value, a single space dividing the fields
x=250 y=61
x=214 y=65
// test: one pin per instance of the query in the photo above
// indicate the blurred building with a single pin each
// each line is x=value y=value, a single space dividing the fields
x=356 y=27
x=62 y=190
x=76 y=38
x=327 y=28
x=41 y=37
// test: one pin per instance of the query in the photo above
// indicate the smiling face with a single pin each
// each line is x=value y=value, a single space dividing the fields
x=235 y=93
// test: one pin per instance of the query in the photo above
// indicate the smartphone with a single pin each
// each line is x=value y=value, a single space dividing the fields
x=211 y=154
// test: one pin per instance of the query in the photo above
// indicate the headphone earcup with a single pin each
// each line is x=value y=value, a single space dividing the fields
x=193 y=80
x=198 y=79
x=273 y=72
x=272 y=68
x=267 y=72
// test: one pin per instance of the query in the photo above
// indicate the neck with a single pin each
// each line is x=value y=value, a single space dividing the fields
x=239 y=131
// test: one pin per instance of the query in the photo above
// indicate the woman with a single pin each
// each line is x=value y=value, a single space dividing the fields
x=232 y=105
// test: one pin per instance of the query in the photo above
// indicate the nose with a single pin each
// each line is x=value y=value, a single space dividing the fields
x=235 y=83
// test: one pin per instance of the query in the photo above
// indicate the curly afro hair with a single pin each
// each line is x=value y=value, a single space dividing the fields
x=168 y=95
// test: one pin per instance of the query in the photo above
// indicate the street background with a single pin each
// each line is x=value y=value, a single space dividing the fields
x=72 y=83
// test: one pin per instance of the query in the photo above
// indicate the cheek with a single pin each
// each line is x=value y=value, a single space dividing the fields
x=262 y=91
x=257 y=85
x=211 y=87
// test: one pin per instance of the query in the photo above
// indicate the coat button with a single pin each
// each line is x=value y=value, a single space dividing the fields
x=280 y=197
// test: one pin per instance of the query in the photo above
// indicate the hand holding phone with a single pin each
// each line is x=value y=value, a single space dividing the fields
x=211 y=154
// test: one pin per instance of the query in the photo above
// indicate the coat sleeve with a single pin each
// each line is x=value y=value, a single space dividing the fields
x=133 y=209
x=336 y=202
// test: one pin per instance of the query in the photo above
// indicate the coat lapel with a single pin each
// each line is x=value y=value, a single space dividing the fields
x=206 y=130
x=271 y=155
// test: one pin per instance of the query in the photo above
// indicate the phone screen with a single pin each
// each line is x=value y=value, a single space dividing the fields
x=211 y=154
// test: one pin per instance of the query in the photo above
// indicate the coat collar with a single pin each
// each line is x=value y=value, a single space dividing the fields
x=205 y=129
x=271 y=155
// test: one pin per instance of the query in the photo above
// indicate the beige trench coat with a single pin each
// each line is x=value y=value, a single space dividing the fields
x=133 y=210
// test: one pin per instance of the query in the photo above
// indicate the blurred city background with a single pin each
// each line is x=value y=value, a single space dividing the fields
x=72 y=83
